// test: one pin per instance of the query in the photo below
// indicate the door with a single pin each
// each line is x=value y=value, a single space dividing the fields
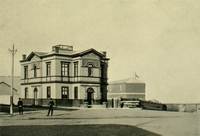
x=90 y=95
x=35 y=96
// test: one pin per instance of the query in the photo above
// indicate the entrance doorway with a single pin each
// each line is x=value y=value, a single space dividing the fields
x=90 y=95
x=35 y=96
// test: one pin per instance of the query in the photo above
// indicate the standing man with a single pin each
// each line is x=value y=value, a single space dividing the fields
x=20 y=106
x=51 y=103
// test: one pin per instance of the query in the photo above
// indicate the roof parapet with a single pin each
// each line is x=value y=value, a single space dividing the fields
x=59 y=47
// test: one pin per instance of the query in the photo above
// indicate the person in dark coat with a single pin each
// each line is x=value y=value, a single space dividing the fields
x=20 y=106
x=51 y=104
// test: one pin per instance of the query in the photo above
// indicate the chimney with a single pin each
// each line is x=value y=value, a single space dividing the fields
x=104 y=53
x=55 y=49
x=23 y=56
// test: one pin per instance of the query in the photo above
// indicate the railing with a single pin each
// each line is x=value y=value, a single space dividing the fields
x=62 y=79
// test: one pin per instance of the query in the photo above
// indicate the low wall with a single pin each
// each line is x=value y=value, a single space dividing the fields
x=5 y=99
x=178 y=107
x=113 y=103
x=59 y=102
x=183 y=107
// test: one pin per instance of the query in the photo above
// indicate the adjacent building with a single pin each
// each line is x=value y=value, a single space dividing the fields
x=69 y=77
x=5 y=89
x=130 y=88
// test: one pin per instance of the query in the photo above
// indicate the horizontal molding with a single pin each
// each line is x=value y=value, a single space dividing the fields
x=68 y=82
x=102 y=57
x=92 y=67
x=56 y=99
x=110 y=93
x=62 y=77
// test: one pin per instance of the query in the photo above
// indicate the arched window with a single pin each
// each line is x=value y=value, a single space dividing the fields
x=90 y=70
x=35 y=71
x=26 y=93
x=35 y=93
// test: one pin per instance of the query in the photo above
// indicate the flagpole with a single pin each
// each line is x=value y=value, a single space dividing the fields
x=136 y=76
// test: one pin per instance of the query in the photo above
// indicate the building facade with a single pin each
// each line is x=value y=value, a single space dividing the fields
x=67 y=76
x=5 y=89
x=5 y=93
x=128 y=89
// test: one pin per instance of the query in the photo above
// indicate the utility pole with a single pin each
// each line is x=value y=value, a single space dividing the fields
x=13 y=51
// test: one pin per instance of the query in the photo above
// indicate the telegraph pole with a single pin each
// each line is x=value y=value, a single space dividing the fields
x=13 y=51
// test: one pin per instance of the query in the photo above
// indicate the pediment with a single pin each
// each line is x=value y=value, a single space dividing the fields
x=33 y=57
x=91 y=56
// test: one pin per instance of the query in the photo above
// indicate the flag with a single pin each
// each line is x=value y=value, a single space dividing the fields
x=136 y=76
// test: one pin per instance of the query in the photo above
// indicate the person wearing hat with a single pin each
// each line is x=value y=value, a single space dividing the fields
x=51 y=104
x=20 y=106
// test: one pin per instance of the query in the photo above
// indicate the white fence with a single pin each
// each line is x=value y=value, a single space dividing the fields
x=5 y=99
x=193 y=107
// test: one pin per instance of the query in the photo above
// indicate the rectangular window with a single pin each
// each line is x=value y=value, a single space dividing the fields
x=25 y=72
x=48 y=92
x=75 y=69
x=26 y=93
x=48 y=69
x=65 y=92
x=64 y=68
x=75 y=92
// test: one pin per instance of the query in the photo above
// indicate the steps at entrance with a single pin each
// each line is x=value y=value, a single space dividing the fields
x=97 y=106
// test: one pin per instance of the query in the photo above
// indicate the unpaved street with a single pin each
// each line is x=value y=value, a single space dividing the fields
x=160 y=122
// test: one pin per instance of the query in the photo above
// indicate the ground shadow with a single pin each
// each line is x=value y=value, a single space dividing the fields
x=6 y=108
x=75 y=130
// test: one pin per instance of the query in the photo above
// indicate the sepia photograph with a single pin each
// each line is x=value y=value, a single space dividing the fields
x=99 y=68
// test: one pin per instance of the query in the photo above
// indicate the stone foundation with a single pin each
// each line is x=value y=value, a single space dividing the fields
x=59 y=102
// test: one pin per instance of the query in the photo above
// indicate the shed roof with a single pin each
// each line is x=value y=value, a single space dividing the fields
x=5 y=89
x=7 y=80
x=128 y=80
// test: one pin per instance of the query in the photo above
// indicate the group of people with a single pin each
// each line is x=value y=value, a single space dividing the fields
x=50 y=108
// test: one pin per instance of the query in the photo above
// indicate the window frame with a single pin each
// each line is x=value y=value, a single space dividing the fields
x=26 y=93
x=76 y=92
x=34 y=71
x=76 y=69
x=35 y=93
x=48 y=91
x=48 y=69
x=90 y=72
x=26 y=72
x=64 y=68
x=64 y=92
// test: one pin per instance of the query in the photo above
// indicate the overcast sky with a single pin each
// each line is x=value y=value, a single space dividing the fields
x=158 y=39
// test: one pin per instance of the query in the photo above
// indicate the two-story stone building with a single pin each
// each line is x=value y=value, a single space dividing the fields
x=130 y=88
x=67 y=76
